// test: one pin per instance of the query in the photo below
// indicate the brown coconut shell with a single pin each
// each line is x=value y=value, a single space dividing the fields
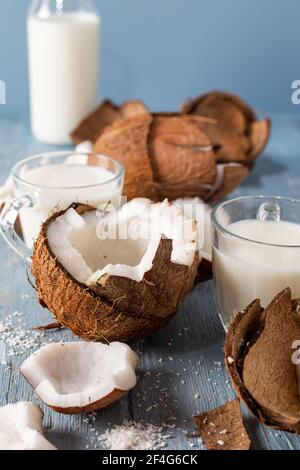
x=167 y=156
x=258 y=355
x=106 y=313
x=126 y=140
x=105 y=115
x=223 y=428
x=180 y=151
x=239 y=135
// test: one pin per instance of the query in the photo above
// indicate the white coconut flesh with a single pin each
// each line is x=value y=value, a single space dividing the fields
x=92 y=245
x=195 y=208
x=21 y=428
x=78 y=374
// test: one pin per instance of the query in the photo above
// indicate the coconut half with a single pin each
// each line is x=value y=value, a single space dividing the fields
x=116 y=276
x=21 y=428
x=81 y=377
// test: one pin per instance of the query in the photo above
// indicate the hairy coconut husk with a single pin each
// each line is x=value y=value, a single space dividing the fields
x=258 y=354
x=223 y=428
x=50 y=327
x=168 y=156
x=240 y=137
x=105 y=115
x=104 y=313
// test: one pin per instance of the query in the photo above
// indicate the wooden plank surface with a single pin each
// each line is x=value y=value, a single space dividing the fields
x=181 y=368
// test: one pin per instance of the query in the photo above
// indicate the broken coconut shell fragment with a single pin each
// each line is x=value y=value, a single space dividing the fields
x=237 y=133
x=81 y=377
x=105 y=115
x=169 y=156
x=258 y=355
x=114 y=289
x=223 y=428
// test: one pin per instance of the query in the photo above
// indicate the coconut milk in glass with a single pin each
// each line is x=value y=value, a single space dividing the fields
x=63 y=53
x=256 y=251
x=51 y=182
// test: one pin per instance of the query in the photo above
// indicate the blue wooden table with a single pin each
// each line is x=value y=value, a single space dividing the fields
x=181 y=368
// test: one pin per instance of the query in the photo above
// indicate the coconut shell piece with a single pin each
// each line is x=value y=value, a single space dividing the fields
x=97 y=375
x=105 y=115
x=240 y=137
x=258 y=356
x=223 y=428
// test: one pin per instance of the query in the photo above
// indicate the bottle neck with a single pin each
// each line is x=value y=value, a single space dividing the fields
x=44 y=8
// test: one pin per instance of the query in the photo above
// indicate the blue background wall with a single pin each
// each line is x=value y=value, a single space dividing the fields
x=164 y=51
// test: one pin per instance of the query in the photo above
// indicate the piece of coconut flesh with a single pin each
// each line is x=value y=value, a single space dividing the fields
x=21 y=428
x=92 y=245
x=196 y=209
x=80 y=374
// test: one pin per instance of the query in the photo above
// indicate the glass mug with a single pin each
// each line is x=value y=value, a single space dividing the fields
x=246 y=268
x=66 y=177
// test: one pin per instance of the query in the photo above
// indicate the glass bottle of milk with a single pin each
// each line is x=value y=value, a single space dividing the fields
x=63 y=49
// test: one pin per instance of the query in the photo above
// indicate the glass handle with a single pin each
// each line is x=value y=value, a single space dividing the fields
x=8 y=219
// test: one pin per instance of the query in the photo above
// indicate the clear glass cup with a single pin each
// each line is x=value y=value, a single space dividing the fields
x=245 y=268
x=63 y=58
x=34 y=201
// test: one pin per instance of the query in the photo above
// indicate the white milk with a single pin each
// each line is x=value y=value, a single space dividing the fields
x=58 y=186
x=244 y=271
x=63 y=69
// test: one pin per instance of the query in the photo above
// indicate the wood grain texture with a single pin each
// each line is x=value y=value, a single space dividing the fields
x=181 y=369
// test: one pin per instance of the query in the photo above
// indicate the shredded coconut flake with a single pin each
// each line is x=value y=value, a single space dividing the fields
x=17 y=339
x=134 y=436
